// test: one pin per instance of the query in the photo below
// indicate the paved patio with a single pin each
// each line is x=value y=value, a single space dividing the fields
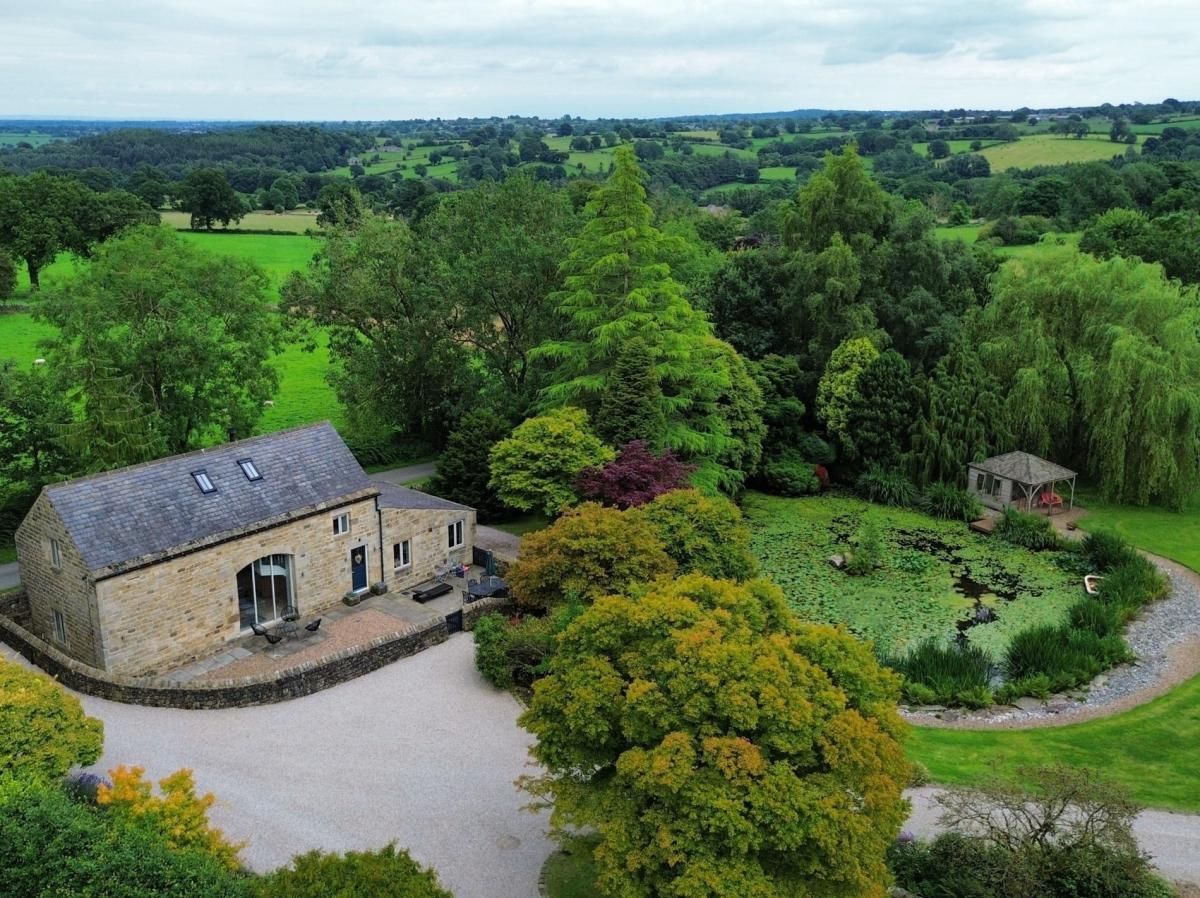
x=423 y=752
x=391 y=614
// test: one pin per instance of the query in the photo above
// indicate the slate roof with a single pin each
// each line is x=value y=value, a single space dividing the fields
x=155 y=510
x=1023 y=468
x=393 y=496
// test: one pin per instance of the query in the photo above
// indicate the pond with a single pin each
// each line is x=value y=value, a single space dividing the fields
x=938 y=578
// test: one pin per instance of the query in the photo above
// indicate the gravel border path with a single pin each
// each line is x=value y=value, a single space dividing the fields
x=1165 y=637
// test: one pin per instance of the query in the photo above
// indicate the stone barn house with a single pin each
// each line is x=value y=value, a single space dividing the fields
x=145 y=568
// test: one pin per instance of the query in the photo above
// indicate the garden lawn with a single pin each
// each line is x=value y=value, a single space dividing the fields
x=914 y=595
x=571 y=873
x=1151 y=749
x=1171 y=534
x=19 y=337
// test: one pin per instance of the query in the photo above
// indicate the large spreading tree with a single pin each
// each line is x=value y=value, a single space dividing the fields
x=719 y=747
x=42 y=215
x=163 y=346
x=1099 y=367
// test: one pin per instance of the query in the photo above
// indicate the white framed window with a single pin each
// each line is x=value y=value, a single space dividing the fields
x=55 y=555
x=402 y=554
x=341 y=524
x=204 y=482
x=60 y=627
x=454 y=532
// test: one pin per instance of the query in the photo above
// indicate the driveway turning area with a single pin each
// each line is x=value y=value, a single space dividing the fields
x=422 y=752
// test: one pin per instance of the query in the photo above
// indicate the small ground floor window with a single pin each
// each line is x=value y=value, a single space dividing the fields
x=264 y=590
x=402 y=554
x=455 y=534
x=60 y=627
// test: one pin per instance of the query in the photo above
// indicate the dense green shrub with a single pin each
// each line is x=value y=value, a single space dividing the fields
x=1028 y=530
x=43 y=730
x=867 y=554
x=944 y=500
x=386 y=873
x=8 y=275
x=1107 y=550
x=51 y=845
x=512 y=653
x=1101 y=618
x=812 y=447
x=958 y=866
x=886 y=487
x=703 y=534
x=1132 y=584
x=789 y=475
x=1068 y=656
x=941 y=673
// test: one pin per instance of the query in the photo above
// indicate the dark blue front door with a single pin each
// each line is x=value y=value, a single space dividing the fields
x=358 y=568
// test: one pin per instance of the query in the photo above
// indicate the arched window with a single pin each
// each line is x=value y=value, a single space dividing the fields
x=264 y=589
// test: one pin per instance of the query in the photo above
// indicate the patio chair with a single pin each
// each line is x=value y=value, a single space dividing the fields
x=313 y=626
x=273 y=638
x=258 y=630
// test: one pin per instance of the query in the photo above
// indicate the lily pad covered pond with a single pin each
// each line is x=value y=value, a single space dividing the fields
x=938 y=578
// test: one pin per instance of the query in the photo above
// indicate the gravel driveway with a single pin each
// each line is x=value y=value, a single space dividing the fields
x=422 y=752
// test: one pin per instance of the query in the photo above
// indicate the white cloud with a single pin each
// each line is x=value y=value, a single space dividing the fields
x=315 y=59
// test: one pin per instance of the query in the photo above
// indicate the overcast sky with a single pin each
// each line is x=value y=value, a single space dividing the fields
x=394 y=59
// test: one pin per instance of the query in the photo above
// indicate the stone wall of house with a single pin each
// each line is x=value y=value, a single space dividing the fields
x=65 y=589
x=304 y=679
x=170 y=613
x=427 y=531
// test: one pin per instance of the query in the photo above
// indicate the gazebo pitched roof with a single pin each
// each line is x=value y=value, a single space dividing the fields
x=1023 y=467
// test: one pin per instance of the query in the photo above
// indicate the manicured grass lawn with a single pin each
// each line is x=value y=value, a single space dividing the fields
x=297 y=221
x=1051 y=150
x=1172 y=534
x=922 y=588
x=571 y=873
x=526 y=523
x=1151 y=749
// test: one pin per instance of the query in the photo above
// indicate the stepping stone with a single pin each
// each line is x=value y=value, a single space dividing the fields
x=1028 y=703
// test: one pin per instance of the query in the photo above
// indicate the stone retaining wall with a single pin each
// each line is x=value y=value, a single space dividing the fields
x=304 y=679
x=475 y=610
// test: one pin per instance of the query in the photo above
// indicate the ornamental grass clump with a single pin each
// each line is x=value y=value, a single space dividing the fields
x=944 y=500
x=1132 y=584
x=1067 y=656
x=886 y=486
x=1027 y=530
x=936 y=672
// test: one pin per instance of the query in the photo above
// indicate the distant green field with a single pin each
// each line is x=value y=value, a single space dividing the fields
x=396 y=162
x=956 y=146
x=33 y=138
x=278 y=254
x=778 y=173
x=297 y=221
x=1051 y=150
x=720 y=149
x=1158 y=127
x=59 y=271
x=1050 y=241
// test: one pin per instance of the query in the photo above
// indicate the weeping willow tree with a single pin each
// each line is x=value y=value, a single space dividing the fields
x=1099 y=366
x=963 y=423
x=619 y=291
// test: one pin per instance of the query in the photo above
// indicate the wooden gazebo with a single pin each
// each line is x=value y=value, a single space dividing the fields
x=1020 y=480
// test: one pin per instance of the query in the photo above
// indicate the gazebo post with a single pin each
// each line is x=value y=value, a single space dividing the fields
x=1072 y=508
